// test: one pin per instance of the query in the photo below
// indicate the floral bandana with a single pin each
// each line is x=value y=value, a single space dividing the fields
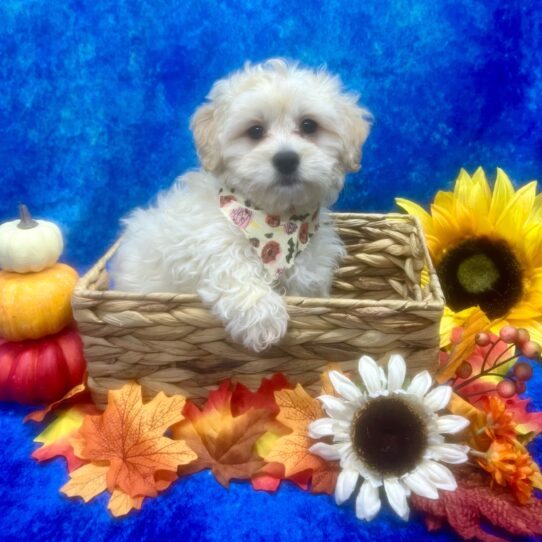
x=277 y=239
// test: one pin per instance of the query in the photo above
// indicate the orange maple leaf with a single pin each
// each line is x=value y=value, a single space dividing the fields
x=223 y=442
x=128 y=439
x=78 y=394
x=91 y=480
x=297 y=410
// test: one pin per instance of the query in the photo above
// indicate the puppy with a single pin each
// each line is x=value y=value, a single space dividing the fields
x=275 y=141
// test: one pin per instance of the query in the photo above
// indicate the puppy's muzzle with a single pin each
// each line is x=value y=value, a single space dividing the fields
x=286 y=162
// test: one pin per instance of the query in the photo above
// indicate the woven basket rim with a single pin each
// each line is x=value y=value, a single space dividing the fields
x=83 y=291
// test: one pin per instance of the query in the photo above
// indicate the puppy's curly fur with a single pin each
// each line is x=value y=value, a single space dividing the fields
x=185 y=244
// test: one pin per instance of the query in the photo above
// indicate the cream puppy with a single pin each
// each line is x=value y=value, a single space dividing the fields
x=279 y=139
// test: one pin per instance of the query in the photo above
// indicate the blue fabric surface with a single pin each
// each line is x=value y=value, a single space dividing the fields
x=96 y=96
x=94 y=111
x=194 y=508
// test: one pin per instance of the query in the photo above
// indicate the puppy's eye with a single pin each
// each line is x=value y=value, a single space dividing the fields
x=256 y=132
x=309 y=126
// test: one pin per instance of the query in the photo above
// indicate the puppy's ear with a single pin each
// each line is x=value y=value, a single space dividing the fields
x=357 y=123
x=203 y=126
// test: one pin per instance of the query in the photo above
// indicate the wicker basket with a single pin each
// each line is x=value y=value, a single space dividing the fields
x=173 y=343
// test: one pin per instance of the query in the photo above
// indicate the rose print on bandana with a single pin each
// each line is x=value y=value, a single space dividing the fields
x=290 y=227
x=241 y=217
x=304 y=233
x=277 y=239
x=224 y=200
x=270 y=252
x=272 y=220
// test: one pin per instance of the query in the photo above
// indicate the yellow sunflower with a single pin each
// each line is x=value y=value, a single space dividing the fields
x=487 y=251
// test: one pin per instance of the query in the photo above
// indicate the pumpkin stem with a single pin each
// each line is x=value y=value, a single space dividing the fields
x=27 y=222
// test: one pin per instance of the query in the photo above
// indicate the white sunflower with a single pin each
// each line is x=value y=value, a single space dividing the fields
x=388 y=436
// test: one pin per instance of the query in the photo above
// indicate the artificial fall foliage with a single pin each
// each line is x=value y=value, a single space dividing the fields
x=224 y=441
x=463 y=340
x=78 y=393
x=127 y=450
x=297 y=410
x=261 y=436
x=475 y=505
x=57 y=438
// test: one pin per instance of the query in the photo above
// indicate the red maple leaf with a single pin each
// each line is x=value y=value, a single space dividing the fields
x=60 y=448
x=242 y=398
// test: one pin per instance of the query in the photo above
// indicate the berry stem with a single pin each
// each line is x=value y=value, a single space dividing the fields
x=512 y=346
x=484 y=373
x=465 y=395
x=486 y=357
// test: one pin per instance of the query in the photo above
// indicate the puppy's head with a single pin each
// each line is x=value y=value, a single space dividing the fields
x=282 y=135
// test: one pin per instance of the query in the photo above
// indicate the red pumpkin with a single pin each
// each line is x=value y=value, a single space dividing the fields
x=43 y=370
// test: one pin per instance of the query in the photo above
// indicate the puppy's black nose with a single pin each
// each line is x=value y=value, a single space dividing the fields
x=286 y=162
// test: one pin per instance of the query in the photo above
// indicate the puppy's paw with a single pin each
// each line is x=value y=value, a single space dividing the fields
x=261 y=324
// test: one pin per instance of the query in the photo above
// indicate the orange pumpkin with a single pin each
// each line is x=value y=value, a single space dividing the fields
x=41 y=371
x=33 y=305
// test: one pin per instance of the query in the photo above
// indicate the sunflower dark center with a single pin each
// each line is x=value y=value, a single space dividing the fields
x=389 y=435
x=477 y=274
x=484 y=272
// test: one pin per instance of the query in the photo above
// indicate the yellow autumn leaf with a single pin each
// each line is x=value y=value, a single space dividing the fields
x=120 y=503
x=86 y=482
x=66 y=423
x=478 y=419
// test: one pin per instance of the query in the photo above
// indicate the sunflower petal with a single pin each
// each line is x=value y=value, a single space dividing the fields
x=451 y=424
x=346 y=483
x=397 y=497
x=336 y=407
x=368 y=501
x=438 y=398
x=502 y=194
x=345 y=387
x=480 y=180
x=396 y=372
x=414 y=209
x=447 y=228
x=524 y=311
x=329 y=452
x=449 y=453
x=371 y=375
x=441 y=476
x=421 y=485
x=510 y=225
x=420 y=384
x=462 y=188
x=321 y=428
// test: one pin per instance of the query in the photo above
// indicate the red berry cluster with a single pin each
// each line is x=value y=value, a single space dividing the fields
x=520 y=341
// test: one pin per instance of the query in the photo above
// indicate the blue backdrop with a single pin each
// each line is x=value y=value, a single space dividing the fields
x=95 y=98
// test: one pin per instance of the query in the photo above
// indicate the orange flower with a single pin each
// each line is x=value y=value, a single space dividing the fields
x=500 y=422
x=510 y=464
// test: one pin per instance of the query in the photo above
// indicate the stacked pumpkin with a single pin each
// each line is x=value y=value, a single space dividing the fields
x=41 y=354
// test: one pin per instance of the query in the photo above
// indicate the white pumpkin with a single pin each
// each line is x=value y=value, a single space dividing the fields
x=28 y=245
